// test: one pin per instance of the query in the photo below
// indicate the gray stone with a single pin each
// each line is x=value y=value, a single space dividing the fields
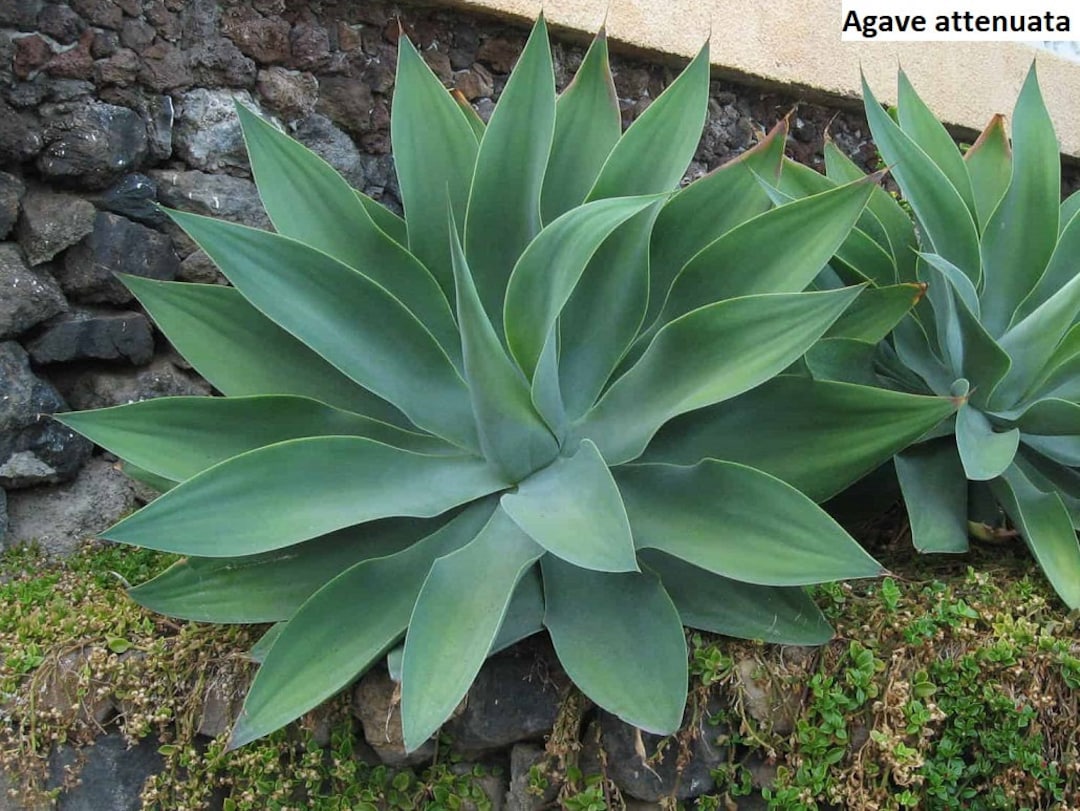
x=199 y=268
x=61 y=691
x=217 y=62
x=91 y=143
x=134 y=197
x=222 y=699
x=290 y=93
x=60 y=518
x=97 y=334
x=658 y=775
x=231 y=198
x=346 y=102
x=33 y=448
x=104 y=13
x=27 y=297
x=116 y=245
x=207 y=134
x=112 y=774
x=100 y=387
x=521 y=795
x=494 y=786
x=159 y=114
x=773 y=705
x=11 y=194
x=60 y=23
x=21 y=14
x=318 y=133
x=515 y=697
x=376 y=701
x=3 y=523
x=52 y=222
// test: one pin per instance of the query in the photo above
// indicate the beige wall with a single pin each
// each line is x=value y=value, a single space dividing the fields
x=797 y=42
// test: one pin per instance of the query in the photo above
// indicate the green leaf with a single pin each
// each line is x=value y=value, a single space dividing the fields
x=845 y=360
x=709 y=602
x=985 y=453
x=475 y=121
x=310 y=202
x=1060 y=376
x=708 y=208
x=989 y=165
x=621 y=641
x=1051 y=416
x=360 y=328
x=1022 y=232
x=435 y=152
x=157 y=483
x=1069 y=209
x=240 y=351
x=512 y=435
x=780 y=251
x=289 y=492
x=876 y=312
x=738 y=522
x=390 y=223
x=548 y=271
x=177 y=437
x=709 y=355
x=936 y=495
x=573 y=509
x=842 y=431
x=588 y=124
x=261 y=648
x=1043 y=520
x=941 y=210
x=343 y=628
x=455 y=623
x=1060 y=270
x=918 y=122
x=271 y=587
x=504 y=201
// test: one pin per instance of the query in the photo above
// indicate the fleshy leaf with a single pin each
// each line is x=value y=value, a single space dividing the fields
x=289 y=492
x=587 y=127
x=936 y=495
x=707 y=356
x=713 y=516
x=573 y=509
x=709 y=602
x=876 y=312
x=455 y=622
x=290 y=282
x=842 y=431
x=177 y=437
x=989 y=164
x=985 y=453
x=343 y=628
x=504 y=200
x=240 y=351
x=620 y=639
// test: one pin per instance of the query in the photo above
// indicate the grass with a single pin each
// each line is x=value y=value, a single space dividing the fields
x=952 y=683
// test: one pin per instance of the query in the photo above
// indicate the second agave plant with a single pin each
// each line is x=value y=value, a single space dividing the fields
x=439 y=429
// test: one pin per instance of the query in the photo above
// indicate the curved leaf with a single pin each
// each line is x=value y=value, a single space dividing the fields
x=709 y=355
x=360 y=328
x=343 y=628
x=240 y=351
x=286 y=493
x=512 y=435
x=709 y=602
x=504 y=200
x=390 y=223
x=271 y=587
x=455 y=623
x=1060 y=270
x=1044 y=521
x=573 y=509
x=876 y=312
x=989 y=164
x=620 y=639
x=985 y=453
x=177 y=437
x=936 y=495
x=738 y=522
x=434 y=157
x=1022 y=232
x=845 y=360
x=588 y=124
x=842 y=431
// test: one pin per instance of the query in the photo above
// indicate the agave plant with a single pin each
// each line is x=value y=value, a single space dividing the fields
x=998 y=329
x=435 y=428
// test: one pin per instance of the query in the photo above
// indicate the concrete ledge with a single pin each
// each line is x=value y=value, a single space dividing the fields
x=797 y=42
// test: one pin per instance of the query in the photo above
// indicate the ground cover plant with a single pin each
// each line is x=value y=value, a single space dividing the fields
x=515 y=410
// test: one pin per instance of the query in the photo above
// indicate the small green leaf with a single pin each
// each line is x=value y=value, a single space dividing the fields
x=985 y=453
x=707 y=356
x=621 y=641
x=117 y=644
x=573 y=509
x=709 y=602
x=343 y=628
x=455 y=622
x=738 y=522
x=286 y=493
x=504 y=200
x=588 y=124
x=936 y=495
